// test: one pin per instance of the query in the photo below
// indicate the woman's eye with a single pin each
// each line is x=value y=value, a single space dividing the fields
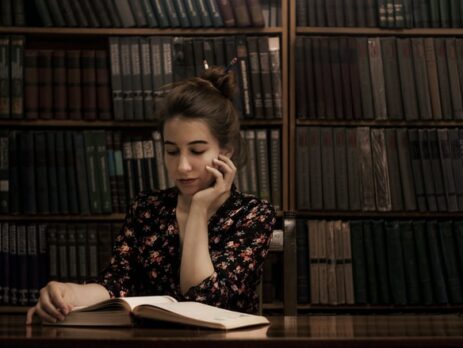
x=196 y=152
x=172 y=153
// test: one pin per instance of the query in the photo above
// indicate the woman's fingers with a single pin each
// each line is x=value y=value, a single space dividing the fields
x=47 y=305
x=30 y=315
x=44 y=315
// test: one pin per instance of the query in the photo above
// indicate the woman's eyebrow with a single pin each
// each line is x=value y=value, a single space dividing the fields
x=194 y=142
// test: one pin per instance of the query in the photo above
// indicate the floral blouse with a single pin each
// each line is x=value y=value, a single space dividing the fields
x=146 y=253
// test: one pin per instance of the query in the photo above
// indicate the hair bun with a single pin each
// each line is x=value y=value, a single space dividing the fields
x=224 y=81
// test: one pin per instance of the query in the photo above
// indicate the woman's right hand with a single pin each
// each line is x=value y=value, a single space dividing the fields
x=55 y=303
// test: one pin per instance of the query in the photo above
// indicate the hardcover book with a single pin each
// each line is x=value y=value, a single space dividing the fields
x=121 y=311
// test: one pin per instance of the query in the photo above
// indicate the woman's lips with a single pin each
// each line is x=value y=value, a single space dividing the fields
x=186 y=181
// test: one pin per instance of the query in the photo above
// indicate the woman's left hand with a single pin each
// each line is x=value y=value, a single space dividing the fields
x=224 y=173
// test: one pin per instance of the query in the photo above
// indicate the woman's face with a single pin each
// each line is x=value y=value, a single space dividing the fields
x=188 y=147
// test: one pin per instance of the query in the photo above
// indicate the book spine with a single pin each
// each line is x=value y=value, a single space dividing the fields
x=41 y=173
x=17 y=77
x=4 y=173
x=88 y=85
x=422 y=91
x=81 y=173
x=5 y=66
x=227 y=13
x=31 y=84
x=275 y=74
x=275 y=168
x=33 y=263
x=136 y=77
x=74 y=84
x=71 y=173
x=52 y=173
x=22 y=269
x=103 y=89
x=116 y=78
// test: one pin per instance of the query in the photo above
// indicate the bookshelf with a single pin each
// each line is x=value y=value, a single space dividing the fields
x=292 y=304
x=67 y=38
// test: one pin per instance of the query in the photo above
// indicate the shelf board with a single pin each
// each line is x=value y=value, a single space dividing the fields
x=13 y=309
x=46 y=31
x=380 y=31
x=59 y=218
x=112 y=124
x=362 y=309
x=380 y=123
x=339 y=214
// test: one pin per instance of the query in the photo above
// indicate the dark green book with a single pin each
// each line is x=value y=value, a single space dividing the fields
x=102 y=172
x=17 y=76
x=61 y=173
x=380 y=257
x=4 y=174
x=425 y=158
x=340 y=163
x=370 y=256
x=421 y=75
x=410 y=262
x=364 y=77
x=415 y=159
x=328 y=168
x=407 y=178
x=458 y=234
x=436 y=263
x=52 y=173
x=193 y=13
x=450 y=262
x=5 y=80
x=27 y=172
x=392 y=78
x=455 y=87
x=41 y=175
x=396 y=190
x=302 y=246
x=315 y=168
x=91 y=158
x=81 y=173
x=444 y=78
x=359 y=268
x=395 y=263
x=71 y=173
x=457 y=164
x=407 y=78
x=447 y=171
x=437 y=175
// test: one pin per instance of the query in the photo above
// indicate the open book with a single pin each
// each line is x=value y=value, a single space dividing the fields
x=119 y=312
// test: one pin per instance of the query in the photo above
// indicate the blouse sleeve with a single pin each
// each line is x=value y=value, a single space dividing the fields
x=238 y=266
x=118 y=276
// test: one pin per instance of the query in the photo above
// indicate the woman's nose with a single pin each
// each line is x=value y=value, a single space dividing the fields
x=183 y=164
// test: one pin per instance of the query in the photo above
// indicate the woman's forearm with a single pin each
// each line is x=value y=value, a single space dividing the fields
x=196 y=264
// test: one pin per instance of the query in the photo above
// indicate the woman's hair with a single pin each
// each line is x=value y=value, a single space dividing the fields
x=208 y=98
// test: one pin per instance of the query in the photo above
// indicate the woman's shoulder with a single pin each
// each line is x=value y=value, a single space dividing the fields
x=252 y=203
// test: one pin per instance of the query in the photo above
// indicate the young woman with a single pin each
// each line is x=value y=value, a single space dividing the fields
x=201 y=240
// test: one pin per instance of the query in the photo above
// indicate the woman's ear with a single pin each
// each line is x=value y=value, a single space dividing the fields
x=228 y=152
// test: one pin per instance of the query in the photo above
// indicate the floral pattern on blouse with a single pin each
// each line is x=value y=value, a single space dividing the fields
x=146 y=254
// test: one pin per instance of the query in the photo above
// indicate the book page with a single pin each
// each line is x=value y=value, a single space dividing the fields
x=123 y=302
x=197 y=313
x=147 y=300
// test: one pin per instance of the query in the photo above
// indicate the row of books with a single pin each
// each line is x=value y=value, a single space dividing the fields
x=379 y=262
x=154 y=13
x=424 y=13
x=379 y=78
x=12 y=13
x=379 y=13
x=141 y=66
x=82 y=84
x=332 y=13
x=377 y=169
x=99 y=172
x=33 y=254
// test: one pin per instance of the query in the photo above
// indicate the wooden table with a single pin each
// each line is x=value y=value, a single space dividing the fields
x=406 y=330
